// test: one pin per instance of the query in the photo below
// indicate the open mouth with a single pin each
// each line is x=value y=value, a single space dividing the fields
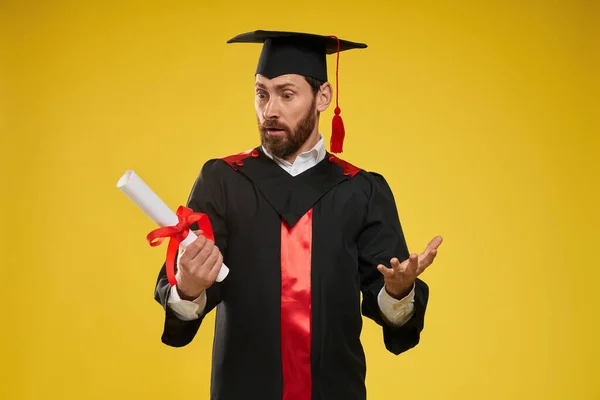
x=275 y=132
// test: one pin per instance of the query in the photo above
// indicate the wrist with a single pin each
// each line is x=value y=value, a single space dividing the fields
x=187 y=294
x=399 y=293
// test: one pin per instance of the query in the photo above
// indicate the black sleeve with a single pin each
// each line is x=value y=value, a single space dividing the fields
x=380 y=240
x=207 y=196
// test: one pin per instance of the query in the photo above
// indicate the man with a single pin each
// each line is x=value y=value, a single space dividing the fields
x=303 y=234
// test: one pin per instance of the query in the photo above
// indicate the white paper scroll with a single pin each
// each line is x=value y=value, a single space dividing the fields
x=137 y=190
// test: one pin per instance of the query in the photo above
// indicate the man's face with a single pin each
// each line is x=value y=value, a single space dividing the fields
x=286 y=113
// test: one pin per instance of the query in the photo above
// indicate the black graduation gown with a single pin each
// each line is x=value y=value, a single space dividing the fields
x=353 y=227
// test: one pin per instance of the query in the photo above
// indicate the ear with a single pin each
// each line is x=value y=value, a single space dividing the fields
x=324 y=96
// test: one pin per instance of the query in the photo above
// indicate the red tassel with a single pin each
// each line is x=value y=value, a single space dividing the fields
x=337 y=125
x=337 y=132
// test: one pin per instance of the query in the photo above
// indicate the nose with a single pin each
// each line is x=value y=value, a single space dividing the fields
x=271 y=110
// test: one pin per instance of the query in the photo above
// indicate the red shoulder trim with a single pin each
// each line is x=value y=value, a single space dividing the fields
x=349 y=169
x=236 y=160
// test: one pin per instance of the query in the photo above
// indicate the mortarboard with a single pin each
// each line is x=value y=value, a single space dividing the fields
x=302 y=54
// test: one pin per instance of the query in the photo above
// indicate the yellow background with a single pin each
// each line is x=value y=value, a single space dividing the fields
x=484 y=119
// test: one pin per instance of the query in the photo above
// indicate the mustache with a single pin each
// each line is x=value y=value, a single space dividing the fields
x=269 y=124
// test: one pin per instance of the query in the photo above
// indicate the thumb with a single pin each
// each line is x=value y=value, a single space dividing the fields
x=198 y=233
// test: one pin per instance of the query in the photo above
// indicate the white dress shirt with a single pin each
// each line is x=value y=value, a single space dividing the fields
x=395 y=312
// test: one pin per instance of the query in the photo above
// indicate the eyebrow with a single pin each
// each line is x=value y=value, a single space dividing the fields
x=278 y=87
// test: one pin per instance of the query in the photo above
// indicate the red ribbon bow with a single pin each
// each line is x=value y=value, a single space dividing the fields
x=177 y=234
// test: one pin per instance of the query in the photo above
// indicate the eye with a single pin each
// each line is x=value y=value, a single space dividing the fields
x=261 y=95
x=288 y=95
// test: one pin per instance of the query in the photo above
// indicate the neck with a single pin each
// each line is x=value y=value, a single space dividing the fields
x=311 y=142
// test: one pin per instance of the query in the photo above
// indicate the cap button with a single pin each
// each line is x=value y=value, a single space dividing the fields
x=254 y=153
x=240 y=163
x=331 y=159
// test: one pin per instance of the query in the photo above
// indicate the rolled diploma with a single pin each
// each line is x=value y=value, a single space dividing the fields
x=137 y=190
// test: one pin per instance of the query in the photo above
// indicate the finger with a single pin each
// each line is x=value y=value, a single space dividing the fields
x=194 y=247
x=429 y=253
x=397 y=265
x=216 y=268
x=434 y=244
x=385 y=271
x=200 y=258
x=210 y=261
x=197 y=233
x=425 y=263
x=413 y=264
x=192 y=250
x=426 y=258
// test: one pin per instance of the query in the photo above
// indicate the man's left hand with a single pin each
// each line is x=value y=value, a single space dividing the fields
x=400 y=279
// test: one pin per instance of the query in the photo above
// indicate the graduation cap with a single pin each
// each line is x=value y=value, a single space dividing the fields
x=302 y=54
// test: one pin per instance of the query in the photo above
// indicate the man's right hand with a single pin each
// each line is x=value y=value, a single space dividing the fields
x=198 y=267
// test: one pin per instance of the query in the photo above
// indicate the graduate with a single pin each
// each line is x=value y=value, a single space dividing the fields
x=304 y=234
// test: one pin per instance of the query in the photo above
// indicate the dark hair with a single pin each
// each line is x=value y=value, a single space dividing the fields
x=315 y=84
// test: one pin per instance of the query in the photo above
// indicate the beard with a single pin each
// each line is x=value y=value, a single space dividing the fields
x=292 y=139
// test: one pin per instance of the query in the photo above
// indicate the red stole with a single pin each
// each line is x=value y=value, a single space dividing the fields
x=296 y=251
